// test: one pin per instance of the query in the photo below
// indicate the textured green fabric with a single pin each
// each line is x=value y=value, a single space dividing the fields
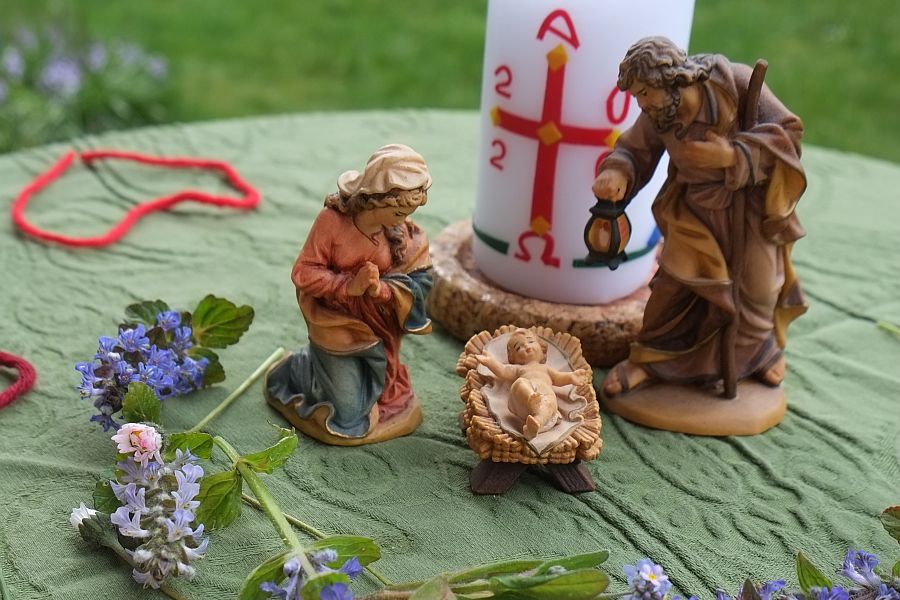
x=713 y=511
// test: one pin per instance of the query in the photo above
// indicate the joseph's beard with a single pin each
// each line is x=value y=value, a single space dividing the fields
x=664 y=118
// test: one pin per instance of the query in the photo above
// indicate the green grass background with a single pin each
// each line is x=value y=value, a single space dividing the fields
x=836 y=63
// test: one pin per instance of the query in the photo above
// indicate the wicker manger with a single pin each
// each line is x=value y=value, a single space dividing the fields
x=491 y=442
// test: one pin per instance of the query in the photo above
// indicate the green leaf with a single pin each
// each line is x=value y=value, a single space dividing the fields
x=214 y=372
x=890 y=518
x=220 y=499
x=583 y=584
x=348 y=546
x=145 y=312
x=199 y=444
x=271 y=570
x=579 y=561
x=141 y=404
x=218 y=322
x=266 y=461
x=809 y=576
x=492 y=570
x=436 y=589
x=895 y=572
x=104 y=499
x=312 y=589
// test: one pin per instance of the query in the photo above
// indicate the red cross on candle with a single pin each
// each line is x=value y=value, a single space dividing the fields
x=550 y=131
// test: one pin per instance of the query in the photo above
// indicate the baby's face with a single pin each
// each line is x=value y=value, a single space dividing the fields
x=524 y=348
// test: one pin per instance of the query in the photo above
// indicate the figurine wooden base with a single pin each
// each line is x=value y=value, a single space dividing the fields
x=701 y=411
x=498 y=478
x=399 y=425
x=465 y=302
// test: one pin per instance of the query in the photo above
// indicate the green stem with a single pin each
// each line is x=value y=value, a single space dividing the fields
x=268 y=505
x=120 y=551
x=274 y=357
x=889 y=327
x=306 y=527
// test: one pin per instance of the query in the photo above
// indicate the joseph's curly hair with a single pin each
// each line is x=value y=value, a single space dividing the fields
x=658 y=62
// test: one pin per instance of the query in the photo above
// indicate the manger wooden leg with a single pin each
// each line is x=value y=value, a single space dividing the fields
x=573 y=478
x=490 y=477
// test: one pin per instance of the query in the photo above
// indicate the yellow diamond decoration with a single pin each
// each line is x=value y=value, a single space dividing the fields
x=557 y=57
x=610 y=140
x=495 y=116
x=549 y=133
x=540 y=226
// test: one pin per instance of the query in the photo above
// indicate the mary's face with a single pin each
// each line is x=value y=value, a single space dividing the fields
x=389 y=216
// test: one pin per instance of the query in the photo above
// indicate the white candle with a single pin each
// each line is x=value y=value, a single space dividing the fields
x=550 y=111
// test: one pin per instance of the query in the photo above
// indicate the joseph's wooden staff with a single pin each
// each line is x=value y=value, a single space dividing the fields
x=748 y=116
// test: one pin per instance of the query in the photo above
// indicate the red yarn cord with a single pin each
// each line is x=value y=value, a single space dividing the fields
x=248 y=201
x=23 y=383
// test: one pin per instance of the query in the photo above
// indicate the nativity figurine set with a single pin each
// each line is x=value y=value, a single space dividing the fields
x=708 y=359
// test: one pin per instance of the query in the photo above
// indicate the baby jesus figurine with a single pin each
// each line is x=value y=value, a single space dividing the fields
x=532 y=397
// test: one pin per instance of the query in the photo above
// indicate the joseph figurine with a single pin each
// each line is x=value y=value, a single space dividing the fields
x=690 y=108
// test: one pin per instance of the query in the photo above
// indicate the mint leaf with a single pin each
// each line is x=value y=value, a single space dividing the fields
x=220 y=499
x=266 y=461
x=145 y=312
x=890 y=518
x=104 y=499
x=214 y=372
x=348 y=546
x=199 y=444
x=270 y=570
x=218 y=322
x=809 y=576
x=141 y=404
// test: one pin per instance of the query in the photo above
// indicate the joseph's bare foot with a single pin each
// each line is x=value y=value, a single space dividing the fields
x=623 y=377
x=531 y=427
x=774 y=375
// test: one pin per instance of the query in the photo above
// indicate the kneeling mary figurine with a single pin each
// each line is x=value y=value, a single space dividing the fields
x=362 y=279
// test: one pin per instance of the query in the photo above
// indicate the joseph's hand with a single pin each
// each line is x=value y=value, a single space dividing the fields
x=716 y=152
x=610 y=185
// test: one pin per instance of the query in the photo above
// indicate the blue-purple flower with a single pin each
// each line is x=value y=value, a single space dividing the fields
x=646 y=580
x=886 y=592
x=168 y=320
x=833 y=593
x=13 y=63
x=97 y=57
x=131 y=357
x=290 y=585
x=859 y=568
x=61 y=77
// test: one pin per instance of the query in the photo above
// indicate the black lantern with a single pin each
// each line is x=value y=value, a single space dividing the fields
x=607 y=233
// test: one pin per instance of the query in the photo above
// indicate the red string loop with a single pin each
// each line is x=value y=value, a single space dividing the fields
x=248 y=201
x=23 y=383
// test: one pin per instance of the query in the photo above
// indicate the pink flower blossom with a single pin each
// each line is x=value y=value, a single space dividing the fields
x=143 y=440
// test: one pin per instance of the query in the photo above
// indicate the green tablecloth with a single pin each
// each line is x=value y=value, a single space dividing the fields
x=713 y=511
